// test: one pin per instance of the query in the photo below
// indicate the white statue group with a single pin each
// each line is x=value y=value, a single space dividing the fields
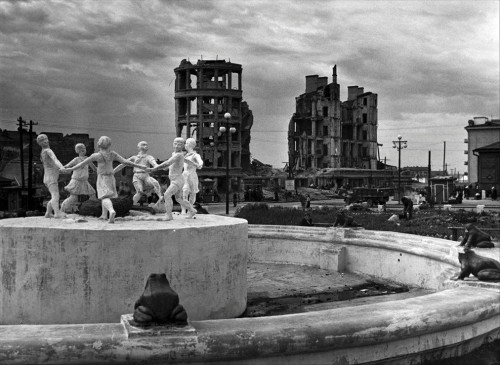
x=182 y=174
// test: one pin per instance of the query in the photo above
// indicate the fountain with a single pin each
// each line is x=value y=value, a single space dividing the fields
x=67 y=272
x=457 y=318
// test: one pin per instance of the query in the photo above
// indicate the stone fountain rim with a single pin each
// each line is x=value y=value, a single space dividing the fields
x=465 y=307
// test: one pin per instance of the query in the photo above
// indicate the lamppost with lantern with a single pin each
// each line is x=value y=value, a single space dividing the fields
x=229 y=130
x=398 y=146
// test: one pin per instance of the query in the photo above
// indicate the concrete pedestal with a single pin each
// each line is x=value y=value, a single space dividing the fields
x=58 y=271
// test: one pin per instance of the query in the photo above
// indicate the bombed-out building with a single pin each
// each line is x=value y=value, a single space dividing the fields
x=326 y=133
x=314 y=131
x=204 y=92
x=359 y=129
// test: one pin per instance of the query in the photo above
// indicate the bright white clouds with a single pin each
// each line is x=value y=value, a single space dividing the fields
x=99 y=66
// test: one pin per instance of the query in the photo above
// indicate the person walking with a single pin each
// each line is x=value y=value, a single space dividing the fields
x=308 y=201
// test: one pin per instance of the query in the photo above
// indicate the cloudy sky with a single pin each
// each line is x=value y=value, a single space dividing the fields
x=106 y=67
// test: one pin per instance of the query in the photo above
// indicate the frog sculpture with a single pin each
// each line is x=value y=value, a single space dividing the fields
x=159 y=303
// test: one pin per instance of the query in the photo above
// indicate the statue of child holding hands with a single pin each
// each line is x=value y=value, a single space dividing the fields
x=106 y=183
x=192 y=162
x=51 y=167
x=79 y=184
x=175 y=164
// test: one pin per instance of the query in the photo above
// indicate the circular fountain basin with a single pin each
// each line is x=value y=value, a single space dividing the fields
x=56 y=271
x=457 y=318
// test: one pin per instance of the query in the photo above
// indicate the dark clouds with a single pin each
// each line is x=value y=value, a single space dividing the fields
x=103 y=66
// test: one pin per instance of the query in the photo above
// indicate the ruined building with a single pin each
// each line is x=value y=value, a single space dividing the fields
x=327 y=133
x=204 y=92
x=359 y=129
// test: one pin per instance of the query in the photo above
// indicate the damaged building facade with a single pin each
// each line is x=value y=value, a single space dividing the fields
x=204 y=92
x=341 y=137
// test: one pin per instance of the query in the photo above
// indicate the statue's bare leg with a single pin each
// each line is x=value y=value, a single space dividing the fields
x=48 y=213
x=104 y=214
x=169 y=204
x=192 y=199
x=68 y=203
x=156 y=186
x=185 y=196
x=54 y=201
x=108 y=205
x=137 y=196
x=139 y=191
x=185 y=205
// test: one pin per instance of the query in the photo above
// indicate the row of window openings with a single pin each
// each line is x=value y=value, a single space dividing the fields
x=364 y=116
x=352 y=161
x=363 y=151
x=211 y=135
x=347 y=133
x=208 y=81
x=209 y=106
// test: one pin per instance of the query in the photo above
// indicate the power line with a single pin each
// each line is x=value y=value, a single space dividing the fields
x=97 y=128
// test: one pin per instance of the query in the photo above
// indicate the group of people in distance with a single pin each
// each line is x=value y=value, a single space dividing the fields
x=182 y=174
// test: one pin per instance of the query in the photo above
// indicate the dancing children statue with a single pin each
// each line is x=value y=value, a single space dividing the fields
x=106 y=183
x=192 y=162
x=141 y=177
x=175 y=164
x=79 y=184
x=51 y=167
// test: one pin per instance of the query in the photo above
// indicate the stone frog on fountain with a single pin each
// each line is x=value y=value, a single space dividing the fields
x=159 y=303
x=484 y=268
x=474 y=237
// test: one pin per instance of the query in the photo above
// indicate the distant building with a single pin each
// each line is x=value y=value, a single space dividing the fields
x=204 y=92
x=421 y=173
x=315 y=129
x=488 y=166
x=325 y=133
x=14 y=197
x=359 y=129
x=62 y=145
x=483 y=152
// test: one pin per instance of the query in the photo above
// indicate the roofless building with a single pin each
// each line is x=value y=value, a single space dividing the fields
x=204 y=92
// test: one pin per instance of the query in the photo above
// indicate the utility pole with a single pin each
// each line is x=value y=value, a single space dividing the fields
x=444 y=158
x=429 y=191
x=30 y=163
x=22 y=123
x=397 y=145
x=385 y=162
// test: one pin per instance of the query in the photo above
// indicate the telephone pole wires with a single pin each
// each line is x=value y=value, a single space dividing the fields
x=22 y=123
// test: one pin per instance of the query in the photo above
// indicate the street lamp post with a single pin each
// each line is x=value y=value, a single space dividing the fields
x=223 y=129
x=397 y=145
